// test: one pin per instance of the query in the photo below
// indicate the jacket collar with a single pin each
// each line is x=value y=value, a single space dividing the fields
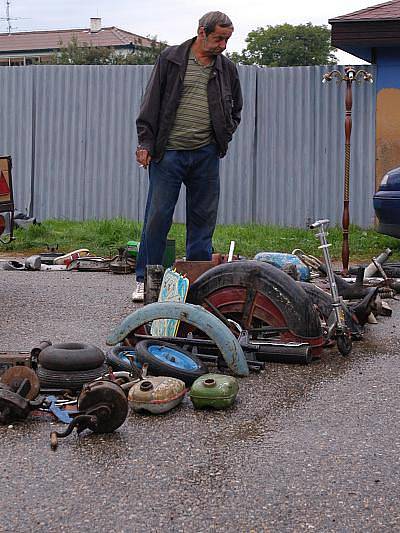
x=180 y=54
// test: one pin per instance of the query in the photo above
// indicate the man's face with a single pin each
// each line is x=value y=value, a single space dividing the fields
x=215 y=42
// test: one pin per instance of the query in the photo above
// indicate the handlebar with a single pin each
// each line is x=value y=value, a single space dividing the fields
x=319 y=223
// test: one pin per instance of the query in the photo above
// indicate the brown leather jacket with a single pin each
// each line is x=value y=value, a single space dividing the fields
x=163 y=92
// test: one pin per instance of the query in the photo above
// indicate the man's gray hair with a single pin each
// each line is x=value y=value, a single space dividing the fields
x=212 y=19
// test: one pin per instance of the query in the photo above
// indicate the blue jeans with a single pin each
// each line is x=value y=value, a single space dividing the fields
x=199 y=171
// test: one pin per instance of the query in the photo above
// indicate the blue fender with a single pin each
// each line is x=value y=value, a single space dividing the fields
x=195 y=315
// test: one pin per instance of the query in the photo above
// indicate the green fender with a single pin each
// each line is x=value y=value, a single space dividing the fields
x=195 y=315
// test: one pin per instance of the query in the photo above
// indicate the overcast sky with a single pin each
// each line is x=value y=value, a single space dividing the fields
x=174 y=20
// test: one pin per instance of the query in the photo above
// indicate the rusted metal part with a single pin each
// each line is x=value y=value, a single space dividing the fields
x=194 y=269
x=152 y=283
x=12 y=406
x=36 y=351
x=195 y=315
x=22 y=380
x=18 y=388
x=90 y=264
x=102 y=408
x=9 y=359
x=122 y=263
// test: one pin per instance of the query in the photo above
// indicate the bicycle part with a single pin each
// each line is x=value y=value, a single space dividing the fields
x=194 y=315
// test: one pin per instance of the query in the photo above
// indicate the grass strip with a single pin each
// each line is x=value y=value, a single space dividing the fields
x=103 y=237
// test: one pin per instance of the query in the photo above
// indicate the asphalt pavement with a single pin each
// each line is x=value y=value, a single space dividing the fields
x=305 y=448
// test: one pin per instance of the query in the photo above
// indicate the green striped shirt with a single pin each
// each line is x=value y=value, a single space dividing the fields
x=192 y=127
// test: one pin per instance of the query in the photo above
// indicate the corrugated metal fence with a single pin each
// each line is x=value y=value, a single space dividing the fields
x=71 y=133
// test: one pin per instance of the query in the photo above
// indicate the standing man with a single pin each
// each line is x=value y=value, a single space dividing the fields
x=189 y=112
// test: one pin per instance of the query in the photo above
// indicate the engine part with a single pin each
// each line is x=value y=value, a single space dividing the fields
x=18 y=389
x=22 y=380
x=35 y=352
x=102 y=408
x=290 y=352
x=12 y=406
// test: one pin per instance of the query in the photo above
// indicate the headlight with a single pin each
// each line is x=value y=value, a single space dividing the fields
x=385 y=179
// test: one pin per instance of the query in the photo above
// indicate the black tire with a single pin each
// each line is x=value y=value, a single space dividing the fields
x=321 y=299
x=71 y=356
x=285 y=295
x=161 y=367
x=117 y=360
x=344 y=344
x=73 y=380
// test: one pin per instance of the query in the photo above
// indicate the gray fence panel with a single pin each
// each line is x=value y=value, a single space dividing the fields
x=71 y=132
x=114 y=183
x=16 y=134
x=285 y=145
x=300 y=148
x=238 y=167
x=60 y=141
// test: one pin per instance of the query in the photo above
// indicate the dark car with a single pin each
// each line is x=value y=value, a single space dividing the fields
x=387 y=204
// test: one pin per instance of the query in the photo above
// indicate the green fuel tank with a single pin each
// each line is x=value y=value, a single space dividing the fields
x=214 y=390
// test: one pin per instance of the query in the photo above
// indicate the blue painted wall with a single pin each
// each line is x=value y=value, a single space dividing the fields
x=388 y=68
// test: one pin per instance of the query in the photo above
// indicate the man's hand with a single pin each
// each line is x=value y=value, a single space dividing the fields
x=143 y=157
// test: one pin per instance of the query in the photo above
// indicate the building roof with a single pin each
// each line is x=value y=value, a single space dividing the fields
x=50 y=40
x=387 y=11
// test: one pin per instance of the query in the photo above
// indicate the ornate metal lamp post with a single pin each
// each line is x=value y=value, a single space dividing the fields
x=350 y=75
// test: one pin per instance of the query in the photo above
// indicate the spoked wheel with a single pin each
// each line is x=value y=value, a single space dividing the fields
x=257 y=295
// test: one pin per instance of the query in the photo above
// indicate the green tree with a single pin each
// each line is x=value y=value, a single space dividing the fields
x=83 y=54
x=286 y=45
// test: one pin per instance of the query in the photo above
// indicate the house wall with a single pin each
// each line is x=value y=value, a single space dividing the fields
x=387 y=111
x=71 y=133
